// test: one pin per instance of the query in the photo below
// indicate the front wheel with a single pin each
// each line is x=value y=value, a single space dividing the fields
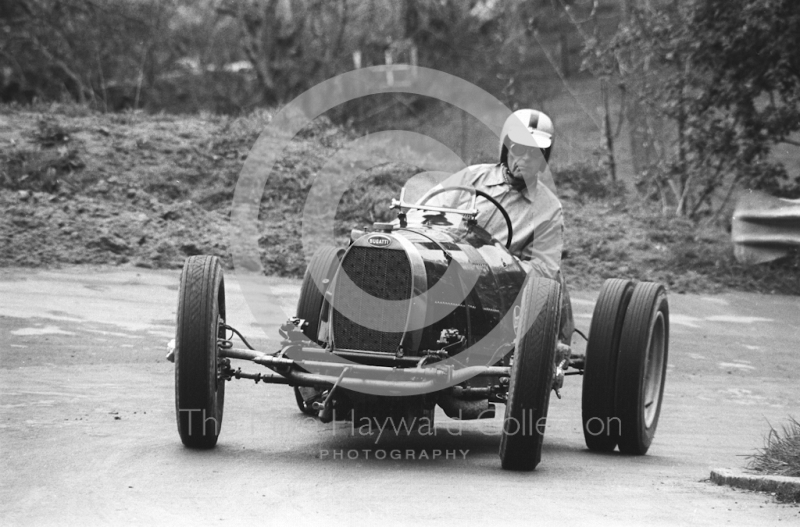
x=199 y=386
x=642 y=367
x=317 y=277
x=531 y=375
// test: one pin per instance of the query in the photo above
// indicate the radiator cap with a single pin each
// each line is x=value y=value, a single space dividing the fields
x=383 y=227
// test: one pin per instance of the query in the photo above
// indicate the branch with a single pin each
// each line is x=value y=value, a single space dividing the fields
x=687 y=184
x=109 y=9
x=724 y=201
x=13 y=60
x=262 y=71
x=62 y=66
x=223 y=11
x=621 y=117
x=564 y=80
x=711 y=185
x=676 y=192
x=577 y=23
x=789 y=142
x=340 y=37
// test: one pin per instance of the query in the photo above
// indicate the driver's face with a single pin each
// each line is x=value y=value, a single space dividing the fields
x=526 y=163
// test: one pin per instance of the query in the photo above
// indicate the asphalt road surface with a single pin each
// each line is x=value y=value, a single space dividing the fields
x=88 y=433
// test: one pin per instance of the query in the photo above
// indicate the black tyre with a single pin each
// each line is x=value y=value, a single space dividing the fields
x=199 y=390
x=531 y=375
x=305 y=397
x=601 y=427
x=642 y=367
x=320 y=270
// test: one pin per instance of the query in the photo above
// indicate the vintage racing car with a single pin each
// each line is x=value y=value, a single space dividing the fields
x=415 y=314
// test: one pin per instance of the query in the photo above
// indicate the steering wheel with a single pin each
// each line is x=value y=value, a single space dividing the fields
x=424 y=199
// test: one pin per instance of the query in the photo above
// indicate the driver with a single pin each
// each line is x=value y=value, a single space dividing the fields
x=525 y=145
x=517 y=182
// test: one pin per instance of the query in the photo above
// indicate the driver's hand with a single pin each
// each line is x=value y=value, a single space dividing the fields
x=436 y=219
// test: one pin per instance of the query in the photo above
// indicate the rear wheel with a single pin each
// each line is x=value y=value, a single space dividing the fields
x=531 y=375
x=318 y=274
x=642 y=367
x=199 y=388
x=600 y=425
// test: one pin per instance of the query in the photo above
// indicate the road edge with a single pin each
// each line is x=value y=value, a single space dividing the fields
x=786 y=489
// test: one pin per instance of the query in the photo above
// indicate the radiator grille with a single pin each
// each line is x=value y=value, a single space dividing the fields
x=384 y=274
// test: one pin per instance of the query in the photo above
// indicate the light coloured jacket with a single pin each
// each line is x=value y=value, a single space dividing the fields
x=539 y=214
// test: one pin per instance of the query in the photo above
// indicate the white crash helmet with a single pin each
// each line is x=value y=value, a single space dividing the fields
x=527 y=127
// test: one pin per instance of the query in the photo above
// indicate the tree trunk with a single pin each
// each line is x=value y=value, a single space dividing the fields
x=643 y=153
x=612 y=164
x=563 y=48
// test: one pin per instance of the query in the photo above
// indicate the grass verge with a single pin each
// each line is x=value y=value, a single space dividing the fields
x=780 y=455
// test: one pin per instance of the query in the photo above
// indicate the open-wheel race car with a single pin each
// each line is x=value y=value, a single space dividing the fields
x=416 y=313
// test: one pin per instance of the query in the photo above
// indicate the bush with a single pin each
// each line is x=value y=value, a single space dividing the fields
x=38 y=170
x=583 y=181
x=369 y=201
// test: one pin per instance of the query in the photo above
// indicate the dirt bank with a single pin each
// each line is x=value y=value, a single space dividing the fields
x=82 y=187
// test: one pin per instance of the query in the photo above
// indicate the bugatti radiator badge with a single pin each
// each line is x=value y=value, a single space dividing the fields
x=379 y=240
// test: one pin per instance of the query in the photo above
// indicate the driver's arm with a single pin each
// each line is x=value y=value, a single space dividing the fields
x=543 y=256
x=451 y=200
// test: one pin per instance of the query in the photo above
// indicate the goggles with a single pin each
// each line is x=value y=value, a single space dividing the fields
x=522 y=150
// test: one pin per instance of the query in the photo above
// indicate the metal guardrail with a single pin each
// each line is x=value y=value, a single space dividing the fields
x=764 y=227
